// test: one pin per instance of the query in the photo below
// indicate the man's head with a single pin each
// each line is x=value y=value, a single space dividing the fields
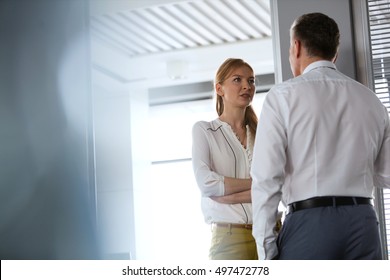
x=314 y=36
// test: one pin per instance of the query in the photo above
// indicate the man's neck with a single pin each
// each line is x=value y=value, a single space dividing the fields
x=307 y=60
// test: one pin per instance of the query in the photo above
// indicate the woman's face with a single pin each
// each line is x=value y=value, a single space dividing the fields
x=238 y=88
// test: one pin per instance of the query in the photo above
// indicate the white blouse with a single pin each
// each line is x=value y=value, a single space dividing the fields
x=216 y=153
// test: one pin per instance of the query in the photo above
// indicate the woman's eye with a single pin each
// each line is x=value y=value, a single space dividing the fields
x=237 y=80
x=252 y=81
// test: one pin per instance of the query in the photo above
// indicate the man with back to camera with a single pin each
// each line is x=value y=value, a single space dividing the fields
x=322 y=144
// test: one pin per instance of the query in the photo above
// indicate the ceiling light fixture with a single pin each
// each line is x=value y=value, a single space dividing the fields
x=177 y=69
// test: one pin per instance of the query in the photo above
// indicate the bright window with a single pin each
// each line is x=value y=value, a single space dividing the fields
x=379 y=23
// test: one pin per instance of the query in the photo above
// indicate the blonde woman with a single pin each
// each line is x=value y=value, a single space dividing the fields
x=221 y=157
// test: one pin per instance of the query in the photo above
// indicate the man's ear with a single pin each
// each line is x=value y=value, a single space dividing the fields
x=297 y=48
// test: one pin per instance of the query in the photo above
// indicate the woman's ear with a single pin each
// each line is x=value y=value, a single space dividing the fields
x=218 y=89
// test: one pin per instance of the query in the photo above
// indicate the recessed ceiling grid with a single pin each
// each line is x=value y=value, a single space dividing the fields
x=182 y=25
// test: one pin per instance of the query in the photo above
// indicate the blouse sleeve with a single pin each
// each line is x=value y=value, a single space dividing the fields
x=209 y=182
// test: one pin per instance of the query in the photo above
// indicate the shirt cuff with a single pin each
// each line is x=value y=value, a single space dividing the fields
x=267 y=251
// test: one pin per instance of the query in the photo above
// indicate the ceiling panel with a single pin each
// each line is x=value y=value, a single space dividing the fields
x=182 y=25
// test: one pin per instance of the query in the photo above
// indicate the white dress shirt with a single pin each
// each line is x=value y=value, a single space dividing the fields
x=216 y=153
x=319 y=134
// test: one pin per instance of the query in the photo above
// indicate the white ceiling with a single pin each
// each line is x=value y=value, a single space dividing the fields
x=181 y=25
x=134 y=41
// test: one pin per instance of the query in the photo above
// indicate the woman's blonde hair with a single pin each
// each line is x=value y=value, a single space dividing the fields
x=223 y=72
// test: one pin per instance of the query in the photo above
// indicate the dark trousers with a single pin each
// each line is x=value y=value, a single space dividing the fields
x=331 y=233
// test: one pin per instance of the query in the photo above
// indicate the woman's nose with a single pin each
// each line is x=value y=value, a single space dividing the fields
x=246 y=84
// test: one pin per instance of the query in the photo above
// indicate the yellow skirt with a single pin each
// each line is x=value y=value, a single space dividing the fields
x=232 y=243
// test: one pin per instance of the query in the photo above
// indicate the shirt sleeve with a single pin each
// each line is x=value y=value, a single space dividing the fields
x=382 y=162
x=267 y=173
x=209 y=182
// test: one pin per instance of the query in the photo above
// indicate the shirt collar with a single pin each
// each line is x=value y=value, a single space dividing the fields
x=318 y=64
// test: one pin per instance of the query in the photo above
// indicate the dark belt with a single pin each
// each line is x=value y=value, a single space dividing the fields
x=327 y=201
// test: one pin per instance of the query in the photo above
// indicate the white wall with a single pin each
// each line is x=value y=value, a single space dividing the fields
x=114 y=194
